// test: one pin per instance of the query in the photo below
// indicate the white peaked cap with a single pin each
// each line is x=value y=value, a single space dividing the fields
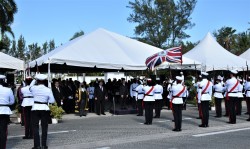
x=204 y=73
x=2 y=76
x=179 y=78
x=234 y=71
x=41 y=77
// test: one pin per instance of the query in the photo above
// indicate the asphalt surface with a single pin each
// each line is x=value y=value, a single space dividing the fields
x=129 y=132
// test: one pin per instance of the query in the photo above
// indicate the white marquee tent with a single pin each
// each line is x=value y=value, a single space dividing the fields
x=246 y=54
x=100 y=49
x=214 y=57
x=9 y=62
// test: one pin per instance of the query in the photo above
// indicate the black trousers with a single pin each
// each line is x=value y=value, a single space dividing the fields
x=82 y=108
x=91 y=105
x=134 y=102
x=158 y=107
x=205 y=112
x=44 y=117
x=100 y=106
x=4 y=120
x=123 y=102
x=248 y=105
x=28 y=121
x=232 y=113
x=139 y=105
x=177 y=112
x=218 y=106
x=199 y=110
x=239 y=106
x=226 y=107
x=71 y=104
x=149 y=106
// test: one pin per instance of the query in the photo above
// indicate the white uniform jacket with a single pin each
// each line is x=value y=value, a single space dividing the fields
x=218 y=90
x=91 y=91
x=42 y=97
x=6 y=99
x=240 y=89
x=158 y=92
x=148 y=96
x=204 y=93
x=28 y=99
x=247 y=88
x=133 y=89
x=230 y=83
x=175 y=90
x=139 y=92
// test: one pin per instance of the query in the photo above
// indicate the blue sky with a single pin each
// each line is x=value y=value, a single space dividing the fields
x=41 y=20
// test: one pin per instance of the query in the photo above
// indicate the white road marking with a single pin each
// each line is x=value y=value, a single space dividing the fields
x=219 y=132
x=163 y=121
x=104 y=148
x=54 y=132
x=187 y=118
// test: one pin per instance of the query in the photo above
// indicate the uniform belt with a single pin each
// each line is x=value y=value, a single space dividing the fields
x=176 y=97
x=2 y=105
x=134 y=90
x=140 y=93
x=148 y=95
x=37 y=102
x=28 y=97
x=205 y=93
x=232 y=92
x=218 y=92
x=157 y=92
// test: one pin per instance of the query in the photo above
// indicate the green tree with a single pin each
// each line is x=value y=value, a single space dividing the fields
x=34 y=50
x=226 y=37
x=7 y=11
x=21 y=48
x=242 y=42
x=51 y=45
x=13 y=49
x=5 y=44
x=161 y=21
x=45 y=47
x=77 y=34
x=188 y=46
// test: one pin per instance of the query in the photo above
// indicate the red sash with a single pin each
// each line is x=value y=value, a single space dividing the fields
x=232 y=89
x=205 y=88
x=149 y=91
x=171 y=105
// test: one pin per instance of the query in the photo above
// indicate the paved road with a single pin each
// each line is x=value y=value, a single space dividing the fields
x=128 y=132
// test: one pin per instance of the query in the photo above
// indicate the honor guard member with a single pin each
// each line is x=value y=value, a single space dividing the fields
x=91 y=91
x=81 y=95
x=231 y=86
x=6 y=100
x=177 y=92
x=139 y=97
x=218 y=90
x=133 y=92
x=240 y=97
x=199 y=79
x=158 y=98
x=40 y=109
x=149 y=102
x=205 y=95
x=28 y=101
x=247 y=93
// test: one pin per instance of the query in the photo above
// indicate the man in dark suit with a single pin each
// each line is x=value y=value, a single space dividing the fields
x=100 y=96
x=124 y=94
x=58 y=93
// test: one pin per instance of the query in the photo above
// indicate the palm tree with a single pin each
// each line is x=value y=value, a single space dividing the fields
x=7 y=10
x=225 y=37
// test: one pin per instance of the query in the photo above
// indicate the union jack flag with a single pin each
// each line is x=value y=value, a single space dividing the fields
x=171 y=55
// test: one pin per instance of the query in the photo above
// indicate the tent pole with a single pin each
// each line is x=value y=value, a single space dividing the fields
x=49 y=82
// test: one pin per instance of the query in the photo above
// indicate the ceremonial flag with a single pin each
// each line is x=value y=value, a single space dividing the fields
x=172 y=55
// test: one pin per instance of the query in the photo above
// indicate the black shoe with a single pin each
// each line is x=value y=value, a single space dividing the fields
x=248 y=119
x=176 y=130
x=156 y=116
x=198 y=117
x=36 y=147
x=139 y=115
x=172 y=120
x=30 y=137
x=246 y=113
x=202 y=125
x=217 y=116
x=226 y=115
x=146 y=123
x=231 y=122
x=99 y=114
x=25 y=137
x=44 y=147
x=103 y=114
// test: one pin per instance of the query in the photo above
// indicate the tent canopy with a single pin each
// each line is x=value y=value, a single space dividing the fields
x=214 y=57
x=9 y=62
x=246 y=54
x=99 y=50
